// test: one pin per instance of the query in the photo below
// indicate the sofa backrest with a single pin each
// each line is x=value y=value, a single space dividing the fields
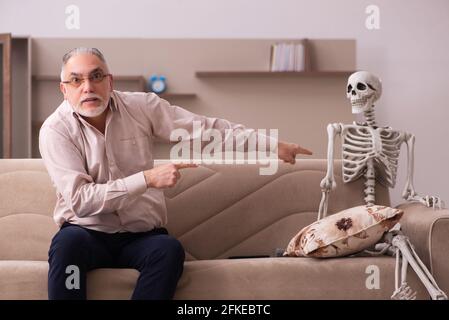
x=216 y=211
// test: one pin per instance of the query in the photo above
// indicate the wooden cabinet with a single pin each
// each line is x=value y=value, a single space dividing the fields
x=15 y=93
x=5 y=95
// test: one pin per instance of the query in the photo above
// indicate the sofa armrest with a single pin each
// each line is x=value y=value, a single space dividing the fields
x=428 y=230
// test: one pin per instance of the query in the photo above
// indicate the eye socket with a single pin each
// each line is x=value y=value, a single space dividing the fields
x=349 y=88
x=75 y=80
x=361 y=86
x=97 y=76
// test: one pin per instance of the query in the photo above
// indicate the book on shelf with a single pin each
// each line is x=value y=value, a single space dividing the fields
x=287 y=57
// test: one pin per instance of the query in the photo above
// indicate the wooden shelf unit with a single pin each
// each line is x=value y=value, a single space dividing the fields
x=318 y=62
x=270 y=74
x=170 y=95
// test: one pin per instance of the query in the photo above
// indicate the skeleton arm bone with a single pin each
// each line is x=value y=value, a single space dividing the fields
x=409 y=192
x=328 y=182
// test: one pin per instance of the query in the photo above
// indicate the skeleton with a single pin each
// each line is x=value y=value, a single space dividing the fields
x=373 y=152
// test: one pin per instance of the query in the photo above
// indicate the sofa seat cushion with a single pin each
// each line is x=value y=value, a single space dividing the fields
x=28 y=280
x=23 y=279
x=260 y=278
x=291 y=279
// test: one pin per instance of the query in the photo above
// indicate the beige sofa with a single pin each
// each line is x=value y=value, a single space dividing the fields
x=219 y=211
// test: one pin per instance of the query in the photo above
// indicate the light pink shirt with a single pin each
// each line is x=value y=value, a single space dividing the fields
x=99 y=178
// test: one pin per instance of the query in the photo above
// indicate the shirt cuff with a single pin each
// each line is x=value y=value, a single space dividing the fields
x=136 y=184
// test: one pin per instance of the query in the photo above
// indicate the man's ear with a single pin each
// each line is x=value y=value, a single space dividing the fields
x=63 y=90
x=111 y=83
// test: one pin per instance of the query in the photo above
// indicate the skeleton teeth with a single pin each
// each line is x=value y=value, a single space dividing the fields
x=359 y=102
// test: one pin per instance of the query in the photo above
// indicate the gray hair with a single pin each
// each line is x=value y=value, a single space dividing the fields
x=77 y=51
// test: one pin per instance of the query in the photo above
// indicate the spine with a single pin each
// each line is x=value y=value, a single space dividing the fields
x=370 y=184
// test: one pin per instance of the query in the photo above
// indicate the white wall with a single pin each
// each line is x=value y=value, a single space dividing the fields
x=409 y=51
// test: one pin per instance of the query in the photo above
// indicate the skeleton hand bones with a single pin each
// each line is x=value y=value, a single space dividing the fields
x=409 y=192
x=328 y=184
x=434 y=202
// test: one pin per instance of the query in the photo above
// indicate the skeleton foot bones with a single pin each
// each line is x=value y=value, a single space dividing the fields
x=372 y=152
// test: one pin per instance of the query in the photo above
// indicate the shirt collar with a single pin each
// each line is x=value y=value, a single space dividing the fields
x=113 y=101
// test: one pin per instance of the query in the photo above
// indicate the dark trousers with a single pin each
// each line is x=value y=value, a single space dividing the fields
x=76 y=250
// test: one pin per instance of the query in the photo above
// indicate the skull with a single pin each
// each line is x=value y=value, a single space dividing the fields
x=363 y=90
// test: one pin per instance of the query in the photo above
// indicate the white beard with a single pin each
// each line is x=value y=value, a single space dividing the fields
x=91 y=113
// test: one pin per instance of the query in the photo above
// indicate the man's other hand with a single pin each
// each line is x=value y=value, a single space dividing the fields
x=288 y=151
x=166 y=175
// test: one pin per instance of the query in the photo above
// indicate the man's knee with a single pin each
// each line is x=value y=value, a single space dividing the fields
x=170 y=249
x=175 y=248
x=71 y=241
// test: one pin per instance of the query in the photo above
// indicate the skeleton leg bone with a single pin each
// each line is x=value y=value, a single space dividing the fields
x=402 y=289
x=409 y=256
x=400 y=246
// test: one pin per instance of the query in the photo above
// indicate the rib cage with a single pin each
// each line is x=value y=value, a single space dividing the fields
x=362 y=143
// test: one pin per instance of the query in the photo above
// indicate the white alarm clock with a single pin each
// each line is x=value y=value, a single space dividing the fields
x=157 y=84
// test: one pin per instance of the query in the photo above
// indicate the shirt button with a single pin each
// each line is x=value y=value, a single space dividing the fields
x=111 y=163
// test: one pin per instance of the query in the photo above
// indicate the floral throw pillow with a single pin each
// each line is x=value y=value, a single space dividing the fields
x=344 y=233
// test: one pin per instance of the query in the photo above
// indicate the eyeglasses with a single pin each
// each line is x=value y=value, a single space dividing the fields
x=95 y=77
